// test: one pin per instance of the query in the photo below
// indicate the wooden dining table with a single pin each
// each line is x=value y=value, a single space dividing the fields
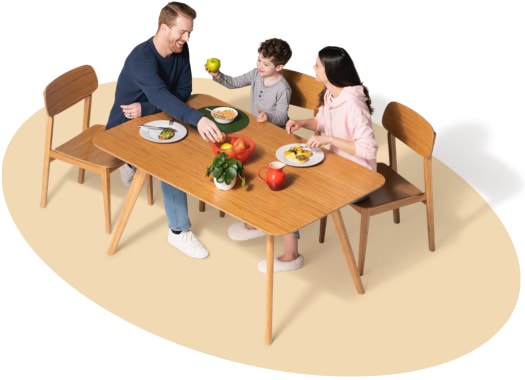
x=310 y=193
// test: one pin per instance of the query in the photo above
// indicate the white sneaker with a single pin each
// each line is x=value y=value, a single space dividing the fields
x=188 y=244
x=126 y=175
x=282 y=266
x=238 y=231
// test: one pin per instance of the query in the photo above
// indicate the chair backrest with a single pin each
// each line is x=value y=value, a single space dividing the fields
x=70 y=88
x=409 y=127
x=305 y=89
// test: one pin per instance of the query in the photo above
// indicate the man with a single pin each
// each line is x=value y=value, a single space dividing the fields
x=157 y=77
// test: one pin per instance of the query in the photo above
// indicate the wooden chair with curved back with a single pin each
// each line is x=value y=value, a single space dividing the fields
x=305 y=89
x=407 y=126
x=64 y=92
x=305 y=94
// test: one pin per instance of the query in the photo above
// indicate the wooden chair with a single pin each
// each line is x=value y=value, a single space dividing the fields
x=407 y=126
x=60 y=95
x=305 y=89
x=305 y=94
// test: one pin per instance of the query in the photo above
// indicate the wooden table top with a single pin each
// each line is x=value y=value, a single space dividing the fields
x=309 y=194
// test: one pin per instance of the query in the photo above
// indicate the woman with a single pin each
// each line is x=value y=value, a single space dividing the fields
x=345 y=110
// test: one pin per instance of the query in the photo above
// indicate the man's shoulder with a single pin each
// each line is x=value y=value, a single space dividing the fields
x=144 y=46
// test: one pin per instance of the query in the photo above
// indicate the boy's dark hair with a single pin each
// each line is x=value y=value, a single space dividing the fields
x=277 y=50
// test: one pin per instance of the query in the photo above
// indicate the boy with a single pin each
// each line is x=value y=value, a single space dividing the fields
x=270 y=100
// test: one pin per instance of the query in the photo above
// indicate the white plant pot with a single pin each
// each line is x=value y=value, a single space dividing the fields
x=223 y=185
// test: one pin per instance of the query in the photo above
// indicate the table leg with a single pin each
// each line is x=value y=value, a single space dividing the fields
x=149 y=188
x=129 y=203
x=269 y=286
x=342 y=235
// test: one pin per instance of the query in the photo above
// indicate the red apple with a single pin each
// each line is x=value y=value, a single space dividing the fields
x=239 y=145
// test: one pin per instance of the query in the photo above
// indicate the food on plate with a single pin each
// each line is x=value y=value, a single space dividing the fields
x=298 y=153
x=166 y=133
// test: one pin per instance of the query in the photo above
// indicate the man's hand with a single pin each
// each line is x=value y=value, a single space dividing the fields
x=209 y=130
x=131 y=111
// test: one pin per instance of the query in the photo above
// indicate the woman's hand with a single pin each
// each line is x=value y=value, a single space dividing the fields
x=292 y=126
x=316 y=141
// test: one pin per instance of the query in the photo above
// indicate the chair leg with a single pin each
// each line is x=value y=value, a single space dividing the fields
x=149 y=188
x=363 y=239
x=106 y=194
x=81 y=175
x=45 y=183
x=322 y=229
x=430 y=227
x=397 y=216
x=202 y=208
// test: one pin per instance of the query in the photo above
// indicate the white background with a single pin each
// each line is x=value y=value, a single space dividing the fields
x=459 y=63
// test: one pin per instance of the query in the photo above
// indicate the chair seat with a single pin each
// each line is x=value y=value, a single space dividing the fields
x=81 y=148
x=395 y=189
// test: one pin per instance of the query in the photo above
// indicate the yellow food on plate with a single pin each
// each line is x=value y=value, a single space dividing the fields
x=166 y=133
x=298 y=153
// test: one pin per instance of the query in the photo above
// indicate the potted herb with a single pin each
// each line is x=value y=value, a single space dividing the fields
x=225 y=170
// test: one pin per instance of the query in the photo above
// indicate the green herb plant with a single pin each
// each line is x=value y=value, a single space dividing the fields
x=224 y=169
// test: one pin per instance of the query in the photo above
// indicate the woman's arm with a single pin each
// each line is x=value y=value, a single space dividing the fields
x=294 y=125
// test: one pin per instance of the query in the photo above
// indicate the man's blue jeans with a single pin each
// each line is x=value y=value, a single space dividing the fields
x=176 y=207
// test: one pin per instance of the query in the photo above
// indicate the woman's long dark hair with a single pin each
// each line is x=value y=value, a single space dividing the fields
x=340 y=71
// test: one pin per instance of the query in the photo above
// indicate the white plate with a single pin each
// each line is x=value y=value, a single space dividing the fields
x=316 y=157
x=151 y=134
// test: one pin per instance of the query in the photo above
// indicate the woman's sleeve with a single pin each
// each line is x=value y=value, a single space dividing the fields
x=364 y=137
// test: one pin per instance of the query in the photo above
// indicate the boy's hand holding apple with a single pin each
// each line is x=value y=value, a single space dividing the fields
x=212 y=66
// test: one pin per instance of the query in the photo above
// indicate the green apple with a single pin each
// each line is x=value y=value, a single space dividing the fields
x=213 y=64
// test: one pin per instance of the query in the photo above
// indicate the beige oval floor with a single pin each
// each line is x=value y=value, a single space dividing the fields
x=420 y=308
